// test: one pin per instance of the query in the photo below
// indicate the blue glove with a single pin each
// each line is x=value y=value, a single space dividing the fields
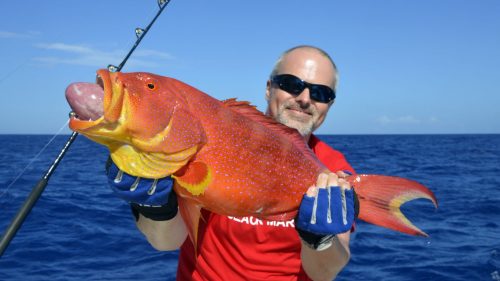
x=153 y=198
x=321 y=217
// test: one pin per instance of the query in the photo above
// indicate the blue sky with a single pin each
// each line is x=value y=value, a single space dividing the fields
x=405 y=66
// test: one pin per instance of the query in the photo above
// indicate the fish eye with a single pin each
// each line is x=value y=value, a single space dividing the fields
x=151 y=86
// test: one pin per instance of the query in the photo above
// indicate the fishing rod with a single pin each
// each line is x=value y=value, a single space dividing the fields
x=37 y=190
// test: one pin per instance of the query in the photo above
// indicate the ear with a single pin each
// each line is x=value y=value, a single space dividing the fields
x=268 y=90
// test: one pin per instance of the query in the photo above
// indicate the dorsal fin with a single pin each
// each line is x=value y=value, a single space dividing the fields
x=250 y=111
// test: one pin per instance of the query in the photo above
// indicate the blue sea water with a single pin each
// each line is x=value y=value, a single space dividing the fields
x=79 y=231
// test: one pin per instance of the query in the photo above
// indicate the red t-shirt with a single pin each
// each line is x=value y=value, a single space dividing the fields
x=248 y=248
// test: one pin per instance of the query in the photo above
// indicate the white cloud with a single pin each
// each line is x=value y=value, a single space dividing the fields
x=407 y=119
x=383 y=120
x=89 y=56
x=16 y=35
x=153 y=53
x=66 y=48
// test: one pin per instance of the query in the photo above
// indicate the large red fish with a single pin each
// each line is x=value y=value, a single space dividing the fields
x=226 y=157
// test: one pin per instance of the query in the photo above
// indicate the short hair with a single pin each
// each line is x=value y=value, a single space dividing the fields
x=319 y=50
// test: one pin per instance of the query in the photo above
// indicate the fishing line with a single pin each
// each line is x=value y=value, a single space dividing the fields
x=34 y=159
x=140 y=33
x=37 y=190
x=17 y=68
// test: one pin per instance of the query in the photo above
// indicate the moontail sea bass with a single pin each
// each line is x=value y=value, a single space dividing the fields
x=225 y=156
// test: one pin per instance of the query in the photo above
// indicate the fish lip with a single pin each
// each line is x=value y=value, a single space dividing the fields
x=99 y=81
x=78 y=124
x=112 y=100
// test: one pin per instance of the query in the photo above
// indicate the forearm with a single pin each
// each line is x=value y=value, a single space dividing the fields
x=326 y=264
x=154 y=205
x=165 y=235
x=324 y=221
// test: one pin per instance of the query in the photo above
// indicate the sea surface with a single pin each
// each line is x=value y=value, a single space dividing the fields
x=78 y=230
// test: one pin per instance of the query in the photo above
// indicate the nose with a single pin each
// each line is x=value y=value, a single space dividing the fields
x=304 y=98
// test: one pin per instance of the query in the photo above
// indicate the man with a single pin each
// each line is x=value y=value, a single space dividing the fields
x=300 y=91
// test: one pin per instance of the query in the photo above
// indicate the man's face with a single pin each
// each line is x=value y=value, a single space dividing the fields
x=300 y=112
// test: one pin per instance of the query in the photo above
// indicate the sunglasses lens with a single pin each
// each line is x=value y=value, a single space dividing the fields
x=291 y=84
x=322 y=93
x=294 y=85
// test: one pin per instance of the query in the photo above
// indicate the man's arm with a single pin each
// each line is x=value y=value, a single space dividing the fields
x=326 y=264
x=165 y=235
x=329 y=253
x=154 y=205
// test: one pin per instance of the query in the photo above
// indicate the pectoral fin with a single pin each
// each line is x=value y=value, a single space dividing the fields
x=191 y=214
x=380 y=199
x=194 y=177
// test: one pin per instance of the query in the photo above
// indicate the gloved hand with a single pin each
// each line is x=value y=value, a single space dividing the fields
x=325 y=211
x=153 y=198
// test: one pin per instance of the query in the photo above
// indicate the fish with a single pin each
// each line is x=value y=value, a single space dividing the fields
x=225 y=156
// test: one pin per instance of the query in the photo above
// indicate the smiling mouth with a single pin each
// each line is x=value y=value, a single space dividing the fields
x=299 y=111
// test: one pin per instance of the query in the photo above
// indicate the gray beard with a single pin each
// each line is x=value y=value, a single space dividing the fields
x=304 y=129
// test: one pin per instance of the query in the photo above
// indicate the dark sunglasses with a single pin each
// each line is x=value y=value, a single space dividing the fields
x=294 y=85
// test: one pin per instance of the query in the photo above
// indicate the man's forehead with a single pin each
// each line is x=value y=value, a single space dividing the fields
x=304 y=58
x=312 y=67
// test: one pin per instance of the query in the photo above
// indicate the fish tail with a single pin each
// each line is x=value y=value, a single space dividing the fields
x=380 y=198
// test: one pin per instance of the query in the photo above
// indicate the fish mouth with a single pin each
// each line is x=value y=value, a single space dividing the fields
x=94 y=104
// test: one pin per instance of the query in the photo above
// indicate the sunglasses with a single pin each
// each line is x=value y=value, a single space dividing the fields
x=294 y=85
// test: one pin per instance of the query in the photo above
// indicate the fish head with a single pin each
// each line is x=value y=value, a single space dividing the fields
x=142 y=118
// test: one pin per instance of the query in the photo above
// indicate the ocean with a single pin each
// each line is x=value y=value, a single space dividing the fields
x=79 y=230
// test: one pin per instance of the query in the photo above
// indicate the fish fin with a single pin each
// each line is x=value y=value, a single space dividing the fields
x=191 y=213
x=244 y=107
x=194 y=177
x=380 y=198
x=291 y=134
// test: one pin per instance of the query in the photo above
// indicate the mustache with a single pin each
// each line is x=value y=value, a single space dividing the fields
x=304 y=108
